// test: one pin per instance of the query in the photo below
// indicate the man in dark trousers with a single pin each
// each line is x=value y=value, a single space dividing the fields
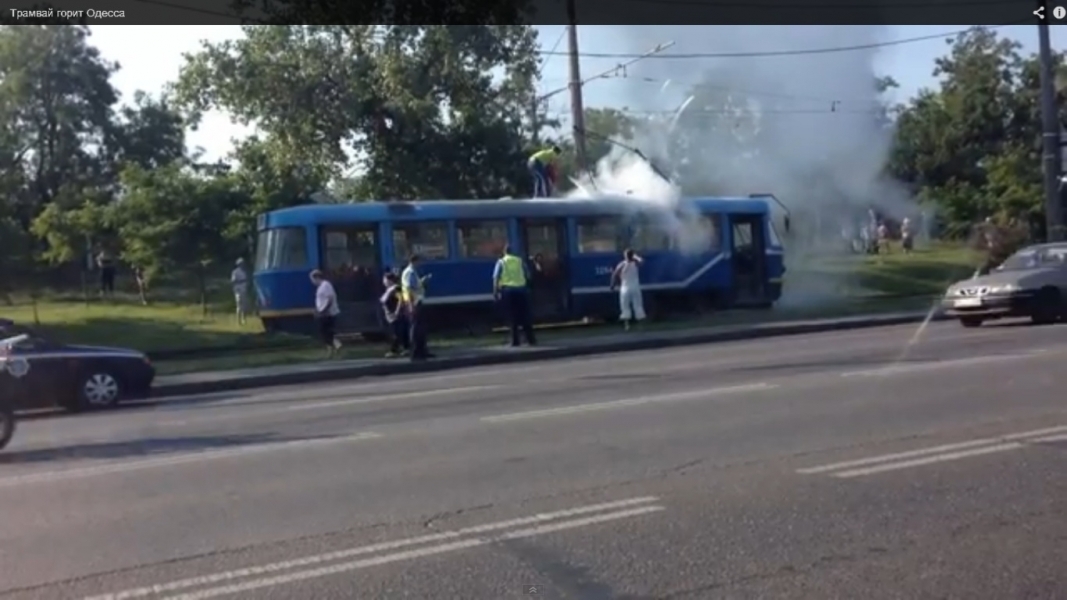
x=509 y=287
x=413 y=291
x=396 y=316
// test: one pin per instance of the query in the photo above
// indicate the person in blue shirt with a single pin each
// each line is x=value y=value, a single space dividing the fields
x=510 y=287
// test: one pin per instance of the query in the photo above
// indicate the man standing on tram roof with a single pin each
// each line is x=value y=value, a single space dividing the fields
x=541 y=164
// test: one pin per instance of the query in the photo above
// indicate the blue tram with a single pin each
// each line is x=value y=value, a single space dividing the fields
x=702 y=253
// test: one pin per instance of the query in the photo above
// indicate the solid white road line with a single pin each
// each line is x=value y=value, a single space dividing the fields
x=396 y=396
x=307 y=561
x=929 y=460
x=411 y=554
x=180 y=459
x=1049 y=439
x=625 y=402
x=956 y=450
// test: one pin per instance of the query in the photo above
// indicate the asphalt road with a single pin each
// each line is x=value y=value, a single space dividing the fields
x=869 y=464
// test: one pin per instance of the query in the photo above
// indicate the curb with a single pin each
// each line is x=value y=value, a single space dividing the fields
x=265 y=344
x=650 y=342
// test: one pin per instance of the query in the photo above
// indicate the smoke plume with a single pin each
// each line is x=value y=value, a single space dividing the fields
x=809 y=128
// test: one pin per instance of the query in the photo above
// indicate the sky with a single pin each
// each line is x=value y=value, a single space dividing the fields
x=150 y=70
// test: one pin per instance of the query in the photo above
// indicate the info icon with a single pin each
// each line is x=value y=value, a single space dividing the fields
x=1059 y=12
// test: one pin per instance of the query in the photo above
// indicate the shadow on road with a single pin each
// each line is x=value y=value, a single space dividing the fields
x=128 y=406
x=575 y=581
x=146 y=448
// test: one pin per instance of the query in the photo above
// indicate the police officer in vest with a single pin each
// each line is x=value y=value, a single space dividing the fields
x=412 y=292
x=509 y=287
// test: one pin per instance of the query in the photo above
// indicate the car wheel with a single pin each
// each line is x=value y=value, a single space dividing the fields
x=97 y=390
x=971 y=322
x=1047 y=307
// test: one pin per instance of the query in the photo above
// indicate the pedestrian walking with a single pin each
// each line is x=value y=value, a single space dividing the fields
x=326 y=311
x=628 y=280
x=239 y=282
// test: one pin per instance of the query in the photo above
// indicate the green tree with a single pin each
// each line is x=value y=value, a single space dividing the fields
x=455 y=14
x=973 y=146
x=270 y=178
x=149 y=134
x=602 y=126
x=172 y=220
x=429 y=112
x=15 y=258
x=56 y=101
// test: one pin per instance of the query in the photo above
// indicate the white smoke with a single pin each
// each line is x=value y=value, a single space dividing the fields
x=807 y=128
x=624 y=174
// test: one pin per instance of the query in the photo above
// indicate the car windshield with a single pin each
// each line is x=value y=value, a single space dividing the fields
x=1033 y=258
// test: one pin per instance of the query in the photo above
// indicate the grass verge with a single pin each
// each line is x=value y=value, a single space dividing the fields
x=546 y=336
x=927 y=271
x=179 y=325
x=126 y=323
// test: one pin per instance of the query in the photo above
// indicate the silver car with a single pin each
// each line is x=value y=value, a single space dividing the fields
x=1030 y=283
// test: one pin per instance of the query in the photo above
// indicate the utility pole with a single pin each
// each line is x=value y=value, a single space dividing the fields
x=577 y=109
x=535 y=121
x=1050 y=135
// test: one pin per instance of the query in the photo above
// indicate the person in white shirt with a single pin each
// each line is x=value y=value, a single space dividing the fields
x=413 y=291
x=626 y=276
x=326 y=311
x=239 y=281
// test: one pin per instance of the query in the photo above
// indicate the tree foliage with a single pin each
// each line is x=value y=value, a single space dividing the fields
x=973 y=147
x=374 y=112
x=428 y=112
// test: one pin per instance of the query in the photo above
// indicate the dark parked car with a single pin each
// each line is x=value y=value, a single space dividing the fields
x=7 y=423
x=40 y=373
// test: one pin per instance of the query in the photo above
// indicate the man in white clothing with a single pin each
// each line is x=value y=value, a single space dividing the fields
x=628 y=280
x=326 y=311
x=239 y=281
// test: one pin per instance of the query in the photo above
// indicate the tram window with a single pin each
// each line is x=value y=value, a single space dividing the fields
x=742 y=235
x=700 y=234
x=709 y=226
x=776 y=240
x=428 y=240
x=599 y=235
x=648 y=236
x=481 y=239
x=281 y=248
x=343 y=248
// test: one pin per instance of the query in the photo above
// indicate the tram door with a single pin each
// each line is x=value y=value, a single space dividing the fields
x=748 y=253
x=351 y=260
x=545 y=241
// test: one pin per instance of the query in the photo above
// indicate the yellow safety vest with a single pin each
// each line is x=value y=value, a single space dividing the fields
x=546 y=156
x=409 y=294
x=512 y=273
